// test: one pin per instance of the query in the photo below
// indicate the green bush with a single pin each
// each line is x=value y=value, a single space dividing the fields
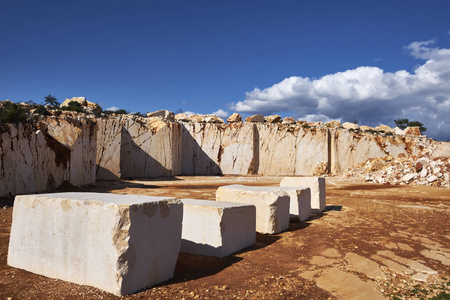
x=12 y=113
x=73 y=106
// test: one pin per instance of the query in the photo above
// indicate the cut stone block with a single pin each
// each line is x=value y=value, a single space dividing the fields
x=118 y=243
x=300 y=205
x=272 y=205
x=317 y=186
x=215 y=228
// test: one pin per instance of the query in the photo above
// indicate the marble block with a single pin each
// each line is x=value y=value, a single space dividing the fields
x=272 y=205
x=300 y=205
x=317 y=186
x=117 y=243
x=215 y=228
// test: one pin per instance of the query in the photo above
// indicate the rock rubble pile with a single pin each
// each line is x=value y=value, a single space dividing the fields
x=403 y=170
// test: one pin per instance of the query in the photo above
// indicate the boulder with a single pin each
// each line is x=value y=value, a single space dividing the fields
x=81 y=100
x=288 y=120
x=272 y=119
x=255 y=119
x=213 y=119
x=333 y=124
x=165 y=114
x=182 y=117
x=348 y=125
x=384 y=128
x=366 y=128
x=234 y=118
x=300 y=205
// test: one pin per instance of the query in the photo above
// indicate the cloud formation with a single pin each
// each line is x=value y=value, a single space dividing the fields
x=367 y=94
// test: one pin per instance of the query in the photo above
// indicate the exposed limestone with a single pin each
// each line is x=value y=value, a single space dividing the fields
x=234 y=118
x=412 y=131
x=255 y=119
x=217 y=149
x=364 y=265
x=348 y=125
x=272 y=119
x=288 y=120
x=165 y=114
x=384 y=128
x=333 y=124
x=182 y=117
x=291 y=150
x=102 y=240
x=81 y=100
x=40 y=157
x=366 y=128
x=272 y=205
x=300 y=205
x=347 y=286
x=213 y=119
x=215 y=228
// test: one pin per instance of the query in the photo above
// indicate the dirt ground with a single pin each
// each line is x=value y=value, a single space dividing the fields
x=372 y=242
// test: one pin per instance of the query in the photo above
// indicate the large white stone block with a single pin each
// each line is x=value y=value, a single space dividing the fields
x=272 y=205
x=300 y=205
x=118 y=243
x=215 y=228
x=317 y=186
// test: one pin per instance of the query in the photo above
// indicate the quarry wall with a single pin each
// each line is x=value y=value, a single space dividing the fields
x=40 y=156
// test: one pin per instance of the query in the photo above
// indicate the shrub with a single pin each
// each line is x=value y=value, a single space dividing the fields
x=11 y=112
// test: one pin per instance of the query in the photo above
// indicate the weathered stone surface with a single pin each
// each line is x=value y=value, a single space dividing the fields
x=218 y=148
x=366 y=128
x=215 y=228
x=255 y=118
x=81 y=100
x=118 y=243
x=412 y=131
x=364 y=265
x=272 y=205
x=333 y=124
x=347 y=286
x=291 y=150
x=166 y=114
x=150 y=149
x=348 y=125
x=348 y=149
x=384 y=128
x=234 y=118
x=35 y=159
x=182 y=117
x=109 y=138
x=272 y=119
x=213 y=119
x=317 y=186
x=300 y=205
x=288 y=120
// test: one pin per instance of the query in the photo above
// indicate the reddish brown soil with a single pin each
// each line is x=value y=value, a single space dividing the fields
x=360 y=219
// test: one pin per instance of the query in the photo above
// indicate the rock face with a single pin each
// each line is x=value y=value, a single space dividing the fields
x=234 y=118
x=137 y=147
x=272 y=205
x=102 y=240
x=165 y=114
x=291 y=150
x=41 y=156
x=217 y=149
x=215 y=228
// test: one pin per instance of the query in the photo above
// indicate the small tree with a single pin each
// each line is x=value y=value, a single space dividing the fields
x=12 y=113
x=403 y=123
x=52 y=101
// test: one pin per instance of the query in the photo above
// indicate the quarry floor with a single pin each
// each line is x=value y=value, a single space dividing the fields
x=372 y=242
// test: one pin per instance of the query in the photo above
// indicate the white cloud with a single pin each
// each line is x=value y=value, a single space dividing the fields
x=221 y=114
x=113 y=108
x=367 y=94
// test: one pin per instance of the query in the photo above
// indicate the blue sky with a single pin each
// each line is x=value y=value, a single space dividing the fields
x=371 y=61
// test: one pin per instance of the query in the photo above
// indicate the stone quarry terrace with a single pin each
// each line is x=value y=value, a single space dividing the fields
x=372 y=241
